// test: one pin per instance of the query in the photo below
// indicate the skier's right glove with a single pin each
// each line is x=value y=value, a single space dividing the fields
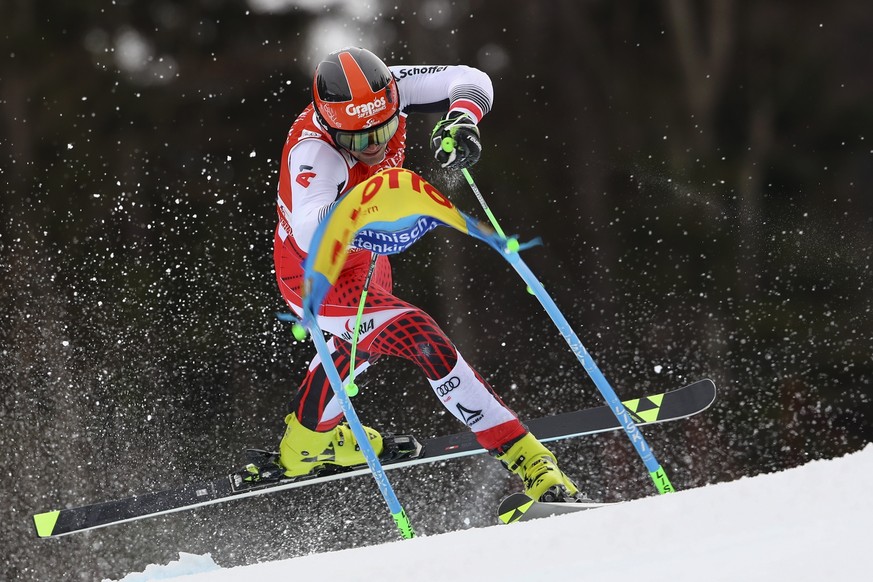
x=462 y=130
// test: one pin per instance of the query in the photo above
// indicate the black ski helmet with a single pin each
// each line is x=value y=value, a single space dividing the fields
x=355 y=92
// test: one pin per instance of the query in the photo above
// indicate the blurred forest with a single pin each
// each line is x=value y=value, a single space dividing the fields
x=700 y=172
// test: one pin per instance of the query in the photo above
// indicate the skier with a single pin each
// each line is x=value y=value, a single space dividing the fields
x=355 y=127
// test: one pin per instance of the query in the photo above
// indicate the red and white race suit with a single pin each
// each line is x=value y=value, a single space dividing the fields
x=314 y=174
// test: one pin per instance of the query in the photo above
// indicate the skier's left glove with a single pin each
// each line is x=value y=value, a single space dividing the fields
x=461 y=129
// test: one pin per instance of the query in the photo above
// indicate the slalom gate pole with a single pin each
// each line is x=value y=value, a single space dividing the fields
x=397 y=511
x=482 y=202
x=344 y=394
x=448 y=145
x=656 y=472
x=510 y=253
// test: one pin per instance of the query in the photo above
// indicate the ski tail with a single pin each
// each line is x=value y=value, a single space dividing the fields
x=520 y=507
x=45 y=523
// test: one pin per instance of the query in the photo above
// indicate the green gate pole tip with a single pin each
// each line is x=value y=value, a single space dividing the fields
x=45 y=523
x=403 y=524
x=662 y=482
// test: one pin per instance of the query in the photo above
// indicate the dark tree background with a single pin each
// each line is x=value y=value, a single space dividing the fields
x=700 y=173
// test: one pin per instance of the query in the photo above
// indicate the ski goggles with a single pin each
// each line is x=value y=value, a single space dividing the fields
x=358 y=141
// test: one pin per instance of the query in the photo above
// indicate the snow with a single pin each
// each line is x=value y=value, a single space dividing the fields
x=808 y=523
x=186 y=564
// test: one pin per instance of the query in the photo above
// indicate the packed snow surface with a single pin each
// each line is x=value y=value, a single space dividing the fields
x=809 y=523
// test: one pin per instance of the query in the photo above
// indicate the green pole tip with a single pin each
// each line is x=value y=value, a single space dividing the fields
x=352 y=389
x=402 y=521
x=662 y=482
x=448 y=144
x=512 y=245
x=298 y=331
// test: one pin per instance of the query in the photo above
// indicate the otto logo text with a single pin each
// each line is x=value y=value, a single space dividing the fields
x=374 y=184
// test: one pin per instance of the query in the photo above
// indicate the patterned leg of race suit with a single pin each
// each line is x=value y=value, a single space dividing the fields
x=393 y=327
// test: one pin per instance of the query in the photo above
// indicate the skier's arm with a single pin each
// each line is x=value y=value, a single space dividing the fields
x=464 y=92
x=318 y=174
x=439 y=88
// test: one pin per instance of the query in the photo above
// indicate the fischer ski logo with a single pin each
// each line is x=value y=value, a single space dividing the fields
x=470 y=417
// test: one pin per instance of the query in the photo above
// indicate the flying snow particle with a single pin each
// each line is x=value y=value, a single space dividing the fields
x=658 y=369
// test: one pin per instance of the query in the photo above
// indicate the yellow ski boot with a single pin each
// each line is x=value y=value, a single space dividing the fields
x=538 y=469
x=303 y=451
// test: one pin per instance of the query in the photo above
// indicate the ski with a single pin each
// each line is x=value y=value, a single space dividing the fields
x=520 y=507
x=663 y=407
